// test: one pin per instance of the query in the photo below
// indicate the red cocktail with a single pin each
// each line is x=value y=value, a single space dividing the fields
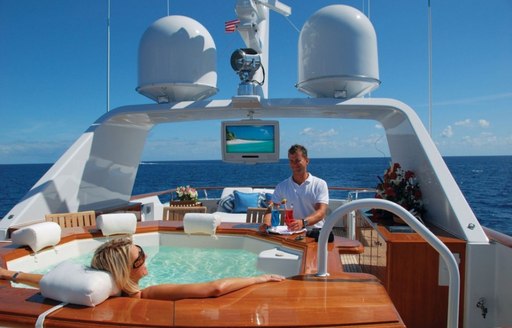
x=288 y=216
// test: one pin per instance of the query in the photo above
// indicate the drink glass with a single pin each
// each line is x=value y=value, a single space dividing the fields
x=288 y=216
x=275 y=215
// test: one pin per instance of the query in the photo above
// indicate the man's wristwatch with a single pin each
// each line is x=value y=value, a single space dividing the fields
x=304 y=223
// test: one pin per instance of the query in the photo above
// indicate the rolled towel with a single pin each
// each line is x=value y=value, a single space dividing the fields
x=201 y=223
x=117 y=223
x=38 y=236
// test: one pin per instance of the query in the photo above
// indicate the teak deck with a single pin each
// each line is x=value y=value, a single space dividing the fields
x=341 y=299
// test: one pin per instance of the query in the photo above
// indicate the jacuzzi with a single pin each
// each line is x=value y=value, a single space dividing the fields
x=273 y=257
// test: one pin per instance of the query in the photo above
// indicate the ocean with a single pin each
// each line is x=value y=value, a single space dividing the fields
x=485 y=181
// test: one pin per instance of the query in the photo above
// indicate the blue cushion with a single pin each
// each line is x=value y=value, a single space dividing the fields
x=244 y=200
x=227 y=203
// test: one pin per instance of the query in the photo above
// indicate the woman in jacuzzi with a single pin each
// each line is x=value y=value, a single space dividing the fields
x=125 y=261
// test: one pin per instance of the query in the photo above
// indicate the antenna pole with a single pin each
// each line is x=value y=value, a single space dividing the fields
x=429 y=69
x=108 y=56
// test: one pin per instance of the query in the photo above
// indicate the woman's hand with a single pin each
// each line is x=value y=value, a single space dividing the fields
x=271 y=277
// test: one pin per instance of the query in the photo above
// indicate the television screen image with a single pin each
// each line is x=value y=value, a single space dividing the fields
x=250 y=141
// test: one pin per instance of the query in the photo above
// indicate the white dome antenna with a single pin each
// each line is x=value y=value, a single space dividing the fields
x=177 y=61
x=338 y=54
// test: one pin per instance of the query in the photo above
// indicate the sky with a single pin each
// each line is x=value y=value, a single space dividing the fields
x=53 y=73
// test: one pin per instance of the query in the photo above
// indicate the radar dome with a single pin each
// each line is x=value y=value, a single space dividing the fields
x=177 y=61
x=338 y=54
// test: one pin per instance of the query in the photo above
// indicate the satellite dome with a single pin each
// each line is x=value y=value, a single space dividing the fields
x=338 y=54
x=177 y=61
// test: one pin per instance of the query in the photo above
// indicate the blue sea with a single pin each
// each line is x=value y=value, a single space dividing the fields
x=486 y=181
x=252 y=147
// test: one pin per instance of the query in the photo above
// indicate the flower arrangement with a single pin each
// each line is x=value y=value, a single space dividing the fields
x=401 y=187
x=186 y=193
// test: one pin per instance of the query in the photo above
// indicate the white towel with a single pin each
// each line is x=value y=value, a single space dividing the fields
x=201 y=223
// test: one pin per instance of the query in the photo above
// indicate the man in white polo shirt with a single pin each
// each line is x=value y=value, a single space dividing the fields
x=308 y=194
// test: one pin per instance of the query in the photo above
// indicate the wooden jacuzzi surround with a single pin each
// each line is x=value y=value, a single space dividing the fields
x=341 y=299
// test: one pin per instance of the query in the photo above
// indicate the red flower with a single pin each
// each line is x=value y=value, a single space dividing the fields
x=401 y=187
x=390 y=192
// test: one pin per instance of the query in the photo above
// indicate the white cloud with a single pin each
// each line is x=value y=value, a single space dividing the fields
x=32 y=151
x=447 y=132
x=466 y=122
x=484 y=123
x=319 y=133
x=483 y=139
x=474 y=100
x=328 y=133
x=307 y=132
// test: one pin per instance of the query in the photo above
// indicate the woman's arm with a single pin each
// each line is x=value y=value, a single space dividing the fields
x=214 y=288
x=31 y=279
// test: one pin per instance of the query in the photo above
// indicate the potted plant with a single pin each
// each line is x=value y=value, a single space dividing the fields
x=187 y=196
x=401 y=187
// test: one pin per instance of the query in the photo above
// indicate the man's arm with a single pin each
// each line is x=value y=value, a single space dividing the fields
x=316 y=216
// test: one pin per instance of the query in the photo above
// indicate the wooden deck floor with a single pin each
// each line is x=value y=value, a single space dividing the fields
x=342 y=299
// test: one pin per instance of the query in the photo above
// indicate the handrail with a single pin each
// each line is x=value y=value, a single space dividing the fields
x=442 y=249
x=205 y=189
x=499 y=237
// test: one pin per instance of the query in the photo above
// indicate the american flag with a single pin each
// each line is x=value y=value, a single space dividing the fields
x=230 y=26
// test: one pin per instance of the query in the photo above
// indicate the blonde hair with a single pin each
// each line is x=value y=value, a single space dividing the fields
x=114 y=257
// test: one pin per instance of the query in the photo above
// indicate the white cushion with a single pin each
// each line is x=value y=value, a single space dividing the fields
x=74 y=283
x=231 y=217
x=117 y=223
x=38 y=236
x=229 y=190
x=264 y=190
x=202 y=223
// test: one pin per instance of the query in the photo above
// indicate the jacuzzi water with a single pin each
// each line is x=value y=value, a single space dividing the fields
x=180 y=258
x=168 y=264
x=185 y=265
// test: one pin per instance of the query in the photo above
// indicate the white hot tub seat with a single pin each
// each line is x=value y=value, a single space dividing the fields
x=38 y=236
x=117 y=223
x=201 y=223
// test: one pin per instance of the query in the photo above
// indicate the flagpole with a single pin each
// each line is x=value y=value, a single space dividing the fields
x=108 y=55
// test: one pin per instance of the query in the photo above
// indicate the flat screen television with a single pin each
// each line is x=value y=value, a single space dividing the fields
x=250 y=141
